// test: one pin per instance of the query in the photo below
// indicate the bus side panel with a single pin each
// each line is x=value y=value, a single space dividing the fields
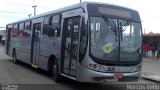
x=14 y=42
x=48 y=47
x=24 y=49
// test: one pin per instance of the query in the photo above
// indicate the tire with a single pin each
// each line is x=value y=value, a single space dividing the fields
x=56 y=76
x=14 y=57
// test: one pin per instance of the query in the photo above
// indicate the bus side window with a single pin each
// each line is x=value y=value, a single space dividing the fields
x=21 y=26
x=15 y=27
x=46 y=27
x=51 y=26
x=27 y=28
x=14 y=31
x=56 y=24
x=21 y=29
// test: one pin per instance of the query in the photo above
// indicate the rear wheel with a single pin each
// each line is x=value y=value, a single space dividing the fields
x=14 y=57
x=56 y=76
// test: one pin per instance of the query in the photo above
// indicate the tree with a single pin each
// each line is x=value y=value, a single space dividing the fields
x=150 y=32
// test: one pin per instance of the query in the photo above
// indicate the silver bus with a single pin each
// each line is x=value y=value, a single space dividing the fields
x=86 y=42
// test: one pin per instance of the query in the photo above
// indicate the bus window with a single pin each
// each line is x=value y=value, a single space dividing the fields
x=27 y=29
x=15 y=27
x=21 y=26
x=56 y=25
x=51 y=26
x=21 y=29
x=46 y=26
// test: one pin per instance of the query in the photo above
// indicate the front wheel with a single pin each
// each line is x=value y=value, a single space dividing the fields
x=56 y=76
x=14 y=57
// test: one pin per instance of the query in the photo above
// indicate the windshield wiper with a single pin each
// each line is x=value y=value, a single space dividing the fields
x=111 y=24
x=126 y=25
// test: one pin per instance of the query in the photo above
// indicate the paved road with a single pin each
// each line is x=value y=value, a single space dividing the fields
x=20 y=73
x=31 y=79
x=151 y=65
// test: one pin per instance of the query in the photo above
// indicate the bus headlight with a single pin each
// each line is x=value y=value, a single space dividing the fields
x=96 y=67
x=100 y=68
x=137 y=68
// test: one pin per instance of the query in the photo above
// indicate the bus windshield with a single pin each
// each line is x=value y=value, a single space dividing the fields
x=113 y=39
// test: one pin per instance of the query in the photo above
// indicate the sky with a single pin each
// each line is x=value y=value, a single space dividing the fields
x=14 y=10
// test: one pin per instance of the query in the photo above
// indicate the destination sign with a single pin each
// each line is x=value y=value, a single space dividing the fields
x=114 y=12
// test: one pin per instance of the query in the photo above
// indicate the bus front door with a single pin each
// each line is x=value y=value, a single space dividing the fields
x=71 y=44
x=35 y=45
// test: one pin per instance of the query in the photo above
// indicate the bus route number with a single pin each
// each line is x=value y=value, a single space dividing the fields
x=110 y=69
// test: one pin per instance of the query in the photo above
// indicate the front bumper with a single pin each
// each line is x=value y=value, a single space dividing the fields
x=87 y=75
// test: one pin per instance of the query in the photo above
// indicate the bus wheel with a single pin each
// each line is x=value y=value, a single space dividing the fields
x=56 y=76
x=14 y=57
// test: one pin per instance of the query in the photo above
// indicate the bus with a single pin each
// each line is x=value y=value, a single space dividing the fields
x=86 y=42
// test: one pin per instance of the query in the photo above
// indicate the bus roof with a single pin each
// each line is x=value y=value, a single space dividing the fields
x=79 y=5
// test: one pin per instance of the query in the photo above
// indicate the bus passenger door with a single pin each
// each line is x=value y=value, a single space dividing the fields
x=8 y=40
x=70 y=54
x=35 y=44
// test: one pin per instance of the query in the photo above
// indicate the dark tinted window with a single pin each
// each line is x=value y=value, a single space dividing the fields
x=56 y=24
x=51 y=26
x=46 y=29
